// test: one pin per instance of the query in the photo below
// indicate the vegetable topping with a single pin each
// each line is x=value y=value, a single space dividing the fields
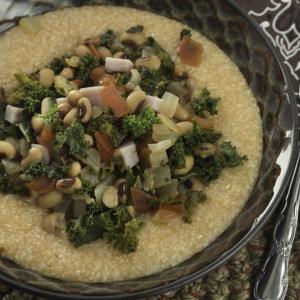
x=113 y=133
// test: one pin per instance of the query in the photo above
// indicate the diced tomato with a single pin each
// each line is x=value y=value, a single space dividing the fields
x=96 y=74
x=93 y=49
x=78 y=82
x=104 y=146
x=190 y=52
x=141 y=200
x=112 y=98
x=170 y=211
x=41 y=185
x=46 y=136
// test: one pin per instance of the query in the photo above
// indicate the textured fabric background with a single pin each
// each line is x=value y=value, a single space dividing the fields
x=280 y=19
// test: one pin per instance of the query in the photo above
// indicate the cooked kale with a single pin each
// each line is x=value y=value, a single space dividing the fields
x=72 y=138
x=194 y=198
x=138 y=125
x=116 y=226
x=210 y=168
x=176 y=156
x=123 y=78
x=108 y=38
x=39 y=169
x=197 y=136
x=29 y=93
x=57 y=65
x=87 y=63
x=204 y=102
x=8 y=187
x=185 y=32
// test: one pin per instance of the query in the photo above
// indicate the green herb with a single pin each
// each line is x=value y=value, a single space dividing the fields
x=108 y=38
x=176 y=157
x=153 y=83
x=135 y=29
x=185 y=32
x=204 y=102
x=86 y=189
x=210 y=168
x=39 y=169
x=123 y=78
x=138 y=125
x=87 y=63
x=57 y=65
x=8 y=187
x=113 y=132
x=72 y=138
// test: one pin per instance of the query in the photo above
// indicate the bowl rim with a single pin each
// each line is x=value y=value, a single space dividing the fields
x=26 y=287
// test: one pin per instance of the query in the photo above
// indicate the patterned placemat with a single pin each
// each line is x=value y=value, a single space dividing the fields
x=280 y=19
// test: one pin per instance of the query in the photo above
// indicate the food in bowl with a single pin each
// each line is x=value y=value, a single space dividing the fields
x=128 y=144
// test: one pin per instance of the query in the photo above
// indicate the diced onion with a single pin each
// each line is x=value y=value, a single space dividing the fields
x=94 y=94
x=134 y=80
x=100 y=188
x=126 y=156
x=46 y=105
x=154 y=178
x=113 y=65
x=13 y=114
x=92 y=159
x=169 y=104
x=169 y=123
x=11 y=167
x=161 y=132
x=153 y=102
x=169 y=190
x=61 y=100
x=87 y=174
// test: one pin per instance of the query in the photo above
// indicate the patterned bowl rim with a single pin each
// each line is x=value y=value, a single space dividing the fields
x=232 y=251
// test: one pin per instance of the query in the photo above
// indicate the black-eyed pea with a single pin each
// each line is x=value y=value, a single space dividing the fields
x=37 y=123
x=70 y=117
x=85 y=110
x=67 y=73
x=82 y=50
x=46 y=77
x=50 y=199
x=151 y=62
x=34 y=155
x=7 y=150
x=185 y=127
x=135 y=99
x=181 y=114
x=104 y=52
x=68 y=185
x=89 y=140
x=74 y=169
x=73 y=97
x=189 y=163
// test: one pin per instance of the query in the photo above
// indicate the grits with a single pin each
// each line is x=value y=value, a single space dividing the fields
x=160 y=246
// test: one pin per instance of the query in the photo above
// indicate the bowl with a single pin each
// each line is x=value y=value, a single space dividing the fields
x=240 y=38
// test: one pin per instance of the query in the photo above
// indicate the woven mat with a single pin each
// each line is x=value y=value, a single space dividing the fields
x=234 y=280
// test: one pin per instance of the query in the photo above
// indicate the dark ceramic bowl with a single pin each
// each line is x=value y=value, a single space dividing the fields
x=237 y=35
